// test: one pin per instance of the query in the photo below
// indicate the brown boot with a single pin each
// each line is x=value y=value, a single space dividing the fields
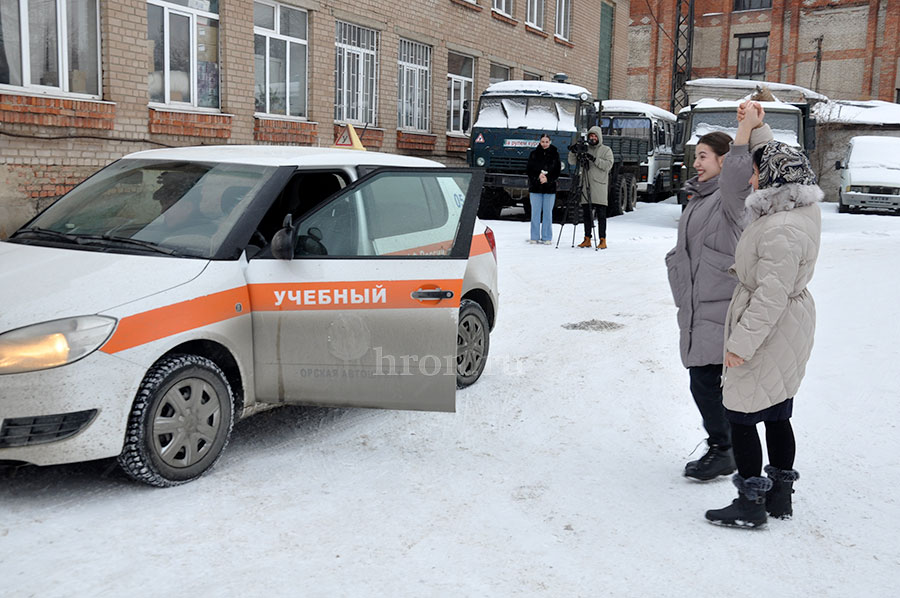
x=586 y=242
x=602 y=243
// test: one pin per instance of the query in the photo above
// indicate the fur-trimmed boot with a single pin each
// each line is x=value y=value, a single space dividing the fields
x=778 y=500
x=586 y=243
x=748 y=510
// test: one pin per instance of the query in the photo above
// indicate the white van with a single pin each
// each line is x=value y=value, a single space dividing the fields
x=870 y=174
x=178 y=290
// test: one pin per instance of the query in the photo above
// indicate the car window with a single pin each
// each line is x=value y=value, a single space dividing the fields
x=392 y=213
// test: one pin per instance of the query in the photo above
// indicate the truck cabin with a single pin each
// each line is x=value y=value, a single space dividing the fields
x=512 y=116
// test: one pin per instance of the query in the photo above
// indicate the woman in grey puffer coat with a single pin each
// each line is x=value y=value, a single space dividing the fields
x=769 y=330
x=698 y=275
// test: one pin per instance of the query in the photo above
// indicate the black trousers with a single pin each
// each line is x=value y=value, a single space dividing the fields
x=588 y=220
x=780 y=446
x=706 y=387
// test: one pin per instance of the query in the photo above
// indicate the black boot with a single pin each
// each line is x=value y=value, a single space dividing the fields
x=717 y=461
x=748 y=510
x=778 y=500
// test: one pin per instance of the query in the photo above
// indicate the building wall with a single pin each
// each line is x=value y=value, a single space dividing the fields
x=860 y=45
x=49 y=143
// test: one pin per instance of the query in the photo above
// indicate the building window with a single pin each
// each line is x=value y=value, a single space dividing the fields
x=460 y=83
x=504 y=6
x=534 y=16
x=414 y=83
x=279 y=40
x=498 y=73
x=752 y=4
x=531 y=76
x=563 y=18
x=355 y=74
x=752 y=50
x=50 y=45
x=184 y=51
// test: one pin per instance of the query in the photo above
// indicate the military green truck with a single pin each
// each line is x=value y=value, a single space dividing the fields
x=713 y=107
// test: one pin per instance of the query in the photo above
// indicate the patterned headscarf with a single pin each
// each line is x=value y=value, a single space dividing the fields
x=782 y=164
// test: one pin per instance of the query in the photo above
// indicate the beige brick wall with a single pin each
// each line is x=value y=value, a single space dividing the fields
x=43 y=158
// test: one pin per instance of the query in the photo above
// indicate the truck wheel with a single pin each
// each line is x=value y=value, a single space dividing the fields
x=179 y=423
x=489 y=208
x=619 y=200
x=472 y=343
x=631 y=185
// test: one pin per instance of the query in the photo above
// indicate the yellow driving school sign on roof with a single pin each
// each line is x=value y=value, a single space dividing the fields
x=349 y=139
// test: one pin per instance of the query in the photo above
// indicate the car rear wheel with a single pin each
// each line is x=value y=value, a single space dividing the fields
x=472 y=343
x=180 y=421
x=842 y=208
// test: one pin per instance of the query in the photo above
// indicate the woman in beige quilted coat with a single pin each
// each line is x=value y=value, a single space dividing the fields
x=769 y=330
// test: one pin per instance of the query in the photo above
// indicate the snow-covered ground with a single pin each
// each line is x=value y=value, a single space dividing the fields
x=559 y=475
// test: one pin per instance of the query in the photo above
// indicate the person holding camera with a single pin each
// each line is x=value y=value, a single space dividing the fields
x=708 y=233
x=596 y=160
x=543 y=170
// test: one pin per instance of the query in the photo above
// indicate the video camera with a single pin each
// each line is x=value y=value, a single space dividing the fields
x=580 y=146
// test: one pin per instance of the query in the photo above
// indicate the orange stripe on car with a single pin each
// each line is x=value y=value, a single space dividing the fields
x=169 y=320
x=479 y=245
x=179 y=317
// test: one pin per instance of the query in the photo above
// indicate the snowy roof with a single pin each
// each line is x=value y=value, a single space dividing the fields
x=538 y=88
x=631 y=106
x=749 y=86
x=277 y=155
x=710 y=104
x=871 y=112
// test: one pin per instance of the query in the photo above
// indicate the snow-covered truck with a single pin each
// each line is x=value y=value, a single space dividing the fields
x=512 y=116
x=713 y=107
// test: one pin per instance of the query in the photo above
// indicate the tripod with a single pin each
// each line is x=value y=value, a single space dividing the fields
x=578 y=190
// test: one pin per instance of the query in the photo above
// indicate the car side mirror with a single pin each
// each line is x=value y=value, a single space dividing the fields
x=838 y=165
x=283 y=241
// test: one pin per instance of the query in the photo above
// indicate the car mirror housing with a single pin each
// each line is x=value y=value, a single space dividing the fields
x=838 y=165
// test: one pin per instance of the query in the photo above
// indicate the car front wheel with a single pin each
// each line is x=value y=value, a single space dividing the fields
x=472 y=343
x=180 y=421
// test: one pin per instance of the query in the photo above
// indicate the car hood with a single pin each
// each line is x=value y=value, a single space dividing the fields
x=878 y=176
x=38 y=284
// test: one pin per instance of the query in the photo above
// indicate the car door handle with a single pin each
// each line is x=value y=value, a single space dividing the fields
x=432 y=294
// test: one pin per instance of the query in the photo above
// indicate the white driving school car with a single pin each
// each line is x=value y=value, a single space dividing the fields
x=178 y=290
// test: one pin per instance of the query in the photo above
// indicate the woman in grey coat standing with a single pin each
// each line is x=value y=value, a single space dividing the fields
x=769 y=331
x=698 y=274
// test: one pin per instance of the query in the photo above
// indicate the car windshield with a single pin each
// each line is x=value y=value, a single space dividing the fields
x=618 y=126
x=174 y=207
x=538 y=113
x=785 y=125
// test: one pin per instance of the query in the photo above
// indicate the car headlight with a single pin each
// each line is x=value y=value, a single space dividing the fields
x=479 y=161
x=52 y=344
x=858 y=189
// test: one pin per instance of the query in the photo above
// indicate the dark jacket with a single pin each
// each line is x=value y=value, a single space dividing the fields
x=543 y=159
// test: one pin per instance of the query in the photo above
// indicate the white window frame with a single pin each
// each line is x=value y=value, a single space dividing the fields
x=274 y=34
x=420 y=71
x=504 y=7
x=345 y=54
x=461 y=88
x=192 y=13
x=62 y=54
x=534 y=15
x=563 y=19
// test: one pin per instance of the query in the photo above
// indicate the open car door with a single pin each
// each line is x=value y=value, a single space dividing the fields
x=365 y=313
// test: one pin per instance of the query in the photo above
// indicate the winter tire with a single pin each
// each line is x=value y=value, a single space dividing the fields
x=631 y=186
x=472 y=343
x=180 y=421
x=842 y=208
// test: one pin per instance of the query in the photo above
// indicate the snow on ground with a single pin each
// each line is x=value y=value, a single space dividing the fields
x=559 y=475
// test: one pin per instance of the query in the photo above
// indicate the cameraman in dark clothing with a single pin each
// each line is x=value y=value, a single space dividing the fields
x=595 y=175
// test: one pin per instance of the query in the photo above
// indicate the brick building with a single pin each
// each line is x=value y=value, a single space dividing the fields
x=844 y=49
x=83 y=82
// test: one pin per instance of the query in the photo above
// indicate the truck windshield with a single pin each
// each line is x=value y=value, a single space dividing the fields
x=785 y=125
x=626 y=126
x=522 y=112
